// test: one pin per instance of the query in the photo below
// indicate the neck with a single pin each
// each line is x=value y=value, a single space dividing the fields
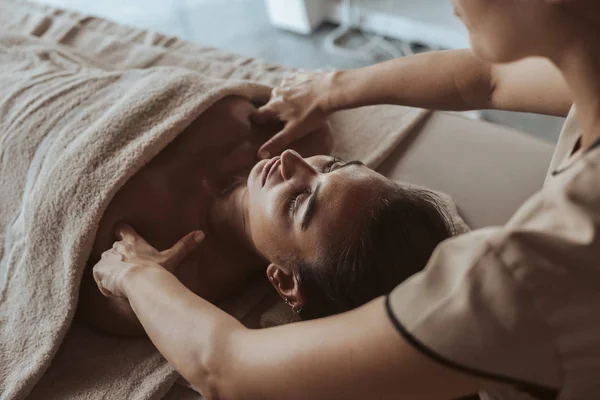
x=229 y=221
x=580 y=65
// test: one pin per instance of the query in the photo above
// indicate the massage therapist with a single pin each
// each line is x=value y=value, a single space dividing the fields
x=511 y=312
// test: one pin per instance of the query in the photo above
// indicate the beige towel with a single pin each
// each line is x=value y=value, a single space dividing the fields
x=70 y=136
x=369 y=134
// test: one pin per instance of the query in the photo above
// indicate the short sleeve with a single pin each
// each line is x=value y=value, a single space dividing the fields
x=468 y=311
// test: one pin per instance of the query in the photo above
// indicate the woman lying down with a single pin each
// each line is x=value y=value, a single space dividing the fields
x=329 y=235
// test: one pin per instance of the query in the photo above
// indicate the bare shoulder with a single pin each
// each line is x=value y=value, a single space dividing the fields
x=224 y=124
x=230 y=121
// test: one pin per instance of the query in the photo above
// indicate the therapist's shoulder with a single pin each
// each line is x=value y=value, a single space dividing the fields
x=473 y=309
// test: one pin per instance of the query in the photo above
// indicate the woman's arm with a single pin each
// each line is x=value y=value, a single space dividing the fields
x=531 y=85
x=453 y=80
x=356 y=355
x=445 y=80
x=191 y=333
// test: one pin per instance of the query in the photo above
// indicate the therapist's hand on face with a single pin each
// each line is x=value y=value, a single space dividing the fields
x=132 y=252
x=301 y=101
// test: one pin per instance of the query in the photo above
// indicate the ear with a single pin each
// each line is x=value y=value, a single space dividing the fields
x=286 y=284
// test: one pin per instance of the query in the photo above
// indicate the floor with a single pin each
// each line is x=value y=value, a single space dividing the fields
x=242 y=26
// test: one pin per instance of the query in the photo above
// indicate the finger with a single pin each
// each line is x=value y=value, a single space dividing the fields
x=98 y=276
x=102 y=280
x=261 y=95
x=184 y=247
x=99 y=279
x=287 y=79
x=267 y=113
x=278 y=142
x=281 y=93
x=112 y=255
x=119 y=247
x=125 y=232
x=292 y=78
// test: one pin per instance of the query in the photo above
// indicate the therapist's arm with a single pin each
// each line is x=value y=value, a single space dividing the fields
x=356 y=355
x=453 y=80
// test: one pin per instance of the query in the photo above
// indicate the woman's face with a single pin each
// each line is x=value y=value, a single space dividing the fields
x=298 y=206
x=509 y=30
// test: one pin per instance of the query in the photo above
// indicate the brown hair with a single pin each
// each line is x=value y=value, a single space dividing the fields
x=395 y=241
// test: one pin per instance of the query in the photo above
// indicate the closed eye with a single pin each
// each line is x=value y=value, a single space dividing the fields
x=336 y=164
x=330 y=166
x=294 y=201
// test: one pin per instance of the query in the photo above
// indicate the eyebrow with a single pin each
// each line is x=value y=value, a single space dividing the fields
x=311 y=207
x=349 y=163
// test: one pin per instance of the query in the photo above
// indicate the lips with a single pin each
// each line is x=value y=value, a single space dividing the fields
x=269 y=167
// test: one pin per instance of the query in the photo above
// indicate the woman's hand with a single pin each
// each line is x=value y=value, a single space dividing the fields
x=132 y=251
x=302 y=102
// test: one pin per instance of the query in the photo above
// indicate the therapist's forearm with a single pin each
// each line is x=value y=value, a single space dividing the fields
x=335 y=357
x=444 y=80
x=186 y=329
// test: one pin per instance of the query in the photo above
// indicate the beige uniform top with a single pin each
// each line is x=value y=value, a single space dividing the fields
x=520 y=304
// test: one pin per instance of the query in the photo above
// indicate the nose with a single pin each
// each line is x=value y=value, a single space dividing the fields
x=292 y=164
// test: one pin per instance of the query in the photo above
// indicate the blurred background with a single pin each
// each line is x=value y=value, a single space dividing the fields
x=310 y=34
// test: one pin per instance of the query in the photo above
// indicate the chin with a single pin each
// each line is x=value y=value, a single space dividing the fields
x=254 y=175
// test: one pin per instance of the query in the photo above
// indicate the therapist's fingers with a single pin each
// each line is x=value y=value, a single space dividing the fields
x=265 y=114
x=126 y=233
x=282 y=106
x=280 y=141
x=180 y=250
x=274 y=110
x=261 y=94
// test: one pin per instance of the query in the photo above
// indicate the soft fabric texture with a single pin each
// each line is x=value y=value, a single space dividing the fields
x=369 y=134
x=70 y=136
x=81 y=111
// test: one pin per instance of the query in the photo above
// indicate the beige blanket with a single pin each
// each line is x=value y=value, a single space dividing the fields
x=70 y=136
x=369 y=134
x=74 y=126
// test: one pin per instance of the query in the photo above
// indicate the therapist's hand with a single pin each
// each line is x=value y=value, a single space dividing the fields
x=132 y=252
x=302 y=102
